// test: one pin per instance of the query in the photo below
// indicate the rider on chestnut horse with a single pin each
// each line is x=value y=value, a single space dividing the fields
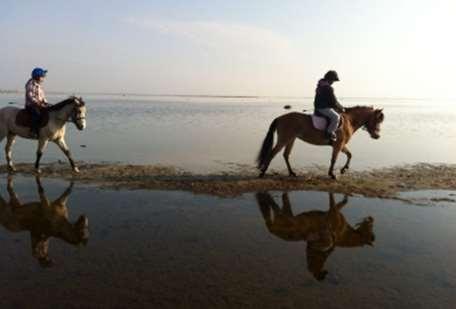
x=326 y=103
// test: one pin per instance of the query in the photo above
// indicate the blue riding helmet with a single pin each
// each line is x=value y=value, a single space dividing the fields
x=38 y=72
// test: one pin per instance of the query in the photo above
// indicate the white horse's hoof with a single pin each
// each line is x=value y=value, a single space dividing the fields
x=11 y=169
x=76 y=170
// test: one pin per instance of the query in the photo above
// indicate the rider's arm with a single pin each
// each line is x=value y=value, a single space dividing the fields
x=334 y=102
x=42 y=97
x=45 y=101
x=340 y=107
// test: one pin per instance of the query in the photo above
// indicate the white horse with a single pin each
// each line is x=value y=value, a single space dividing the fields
x=72 y=109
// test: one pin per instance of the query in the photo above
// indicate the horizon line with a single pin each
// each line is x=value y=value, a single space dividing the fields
x=220 y=96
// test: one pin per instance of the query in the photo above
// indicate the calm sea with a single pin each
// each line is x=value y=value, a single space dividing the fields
x=207 y=134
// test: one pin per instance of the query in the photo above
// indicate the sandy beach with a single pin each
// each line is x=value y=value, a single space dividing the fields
x=381 y=183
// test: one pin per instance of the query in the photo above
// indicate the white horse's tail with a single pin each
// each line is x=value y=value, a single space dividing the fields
x=3 y=125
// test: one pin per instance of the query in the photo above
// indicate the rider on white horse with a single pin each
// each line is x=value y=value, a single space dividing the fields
x=35 y=99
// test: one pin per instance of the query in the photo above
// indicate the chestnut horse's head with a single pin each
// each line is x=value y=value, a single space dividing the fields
x=373 y=123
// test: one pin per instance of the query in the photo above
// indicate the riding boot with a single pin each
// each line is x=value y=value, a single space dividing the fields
x=331 y=136
x=35 y=132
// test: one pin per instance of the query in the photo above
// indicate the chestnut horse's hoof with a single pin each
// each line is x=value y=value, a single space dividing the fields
x=38 y=171
x=261 y=175
x=293 y=174
x=343 y=170
x=11 y=169
x=76 y=170
x=333 y=177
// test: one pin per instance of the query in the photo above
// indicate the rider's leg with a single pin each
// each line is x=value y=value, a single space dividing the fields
x=334 y=120
x=34 y=111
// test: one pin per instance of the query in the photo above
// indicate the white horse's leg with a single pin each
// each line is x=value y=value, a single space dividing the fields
x=63 y=146
x=42 y=143
x=9 y=143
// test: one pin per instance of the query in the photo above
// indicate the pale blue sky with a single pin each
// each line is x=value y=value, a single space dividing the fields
x=380 y=48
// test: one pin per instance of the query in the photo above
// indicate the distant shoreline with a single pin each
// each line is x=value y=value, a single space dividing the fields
x=209 y=96
x=139 y=94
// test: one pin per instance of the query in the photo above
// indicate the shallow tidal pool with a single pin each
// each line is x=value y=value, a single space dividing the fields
x=78 y=246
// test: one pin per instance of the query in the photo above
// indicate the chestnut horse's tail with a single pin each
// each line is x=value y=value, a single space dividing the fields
x=266 y=148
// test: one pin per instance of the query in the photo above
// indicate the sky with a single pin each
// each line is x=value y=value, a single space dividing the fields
x=380 y=48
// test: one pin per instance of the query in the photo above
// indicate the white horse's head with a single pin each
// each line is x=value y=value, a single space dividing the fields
x=78 y=116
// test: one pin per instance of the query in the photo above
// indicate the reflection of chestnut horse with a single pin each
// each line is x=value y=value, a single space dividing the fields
x=323 y=230
x=44 y=219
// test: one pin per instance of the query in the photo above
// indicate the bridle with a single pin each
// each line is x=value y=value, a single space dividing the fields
x=79 y=118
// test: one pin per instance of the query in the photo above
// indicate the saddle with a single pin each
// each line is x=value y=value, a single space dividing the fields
x=24 y=118
x=321 y=122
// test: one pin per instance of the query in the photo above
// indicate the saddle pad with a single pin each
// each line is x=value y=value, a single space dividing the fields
x=319 y=123
x=24 y=118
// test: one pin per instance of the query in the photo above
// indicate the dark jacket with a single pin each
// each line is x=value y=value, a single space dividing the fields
x=325 y=97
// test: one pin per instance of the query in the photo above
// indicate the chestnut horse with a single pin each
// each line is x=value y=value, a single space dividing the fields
x=299 y=125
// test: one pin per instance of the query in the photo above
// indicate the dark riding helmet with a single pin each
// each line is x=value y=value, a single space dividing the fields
x=38 y=72
x=331 y=76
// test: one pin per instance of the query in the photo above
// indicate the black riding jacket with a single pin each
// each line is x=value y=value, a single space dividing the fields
x=325 y=97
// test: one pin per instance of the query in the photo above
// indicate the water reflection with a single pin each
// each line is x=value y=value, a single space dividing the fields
x=323 y=230
x=43 y=219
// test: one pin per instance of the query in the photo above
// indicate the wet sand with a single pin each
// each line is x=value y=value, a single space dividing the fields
x=238 y=179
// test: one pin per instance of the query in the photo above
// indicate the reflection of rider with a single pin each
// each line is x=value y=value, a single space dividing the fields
x=326 y=102
x=44 y=219
x=323 y=230
x=35 y=99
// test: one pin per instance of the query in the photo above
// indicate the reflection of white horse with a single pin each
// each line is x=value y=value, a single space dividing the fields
x=43 y=219
x=14 y=121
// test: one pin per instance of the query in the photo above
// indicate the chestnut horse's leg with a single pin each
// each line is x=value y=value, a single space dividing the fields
x=349 y=156
x=286 y=205
x=342 y=203
x=336 y=149
x=286 y=155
